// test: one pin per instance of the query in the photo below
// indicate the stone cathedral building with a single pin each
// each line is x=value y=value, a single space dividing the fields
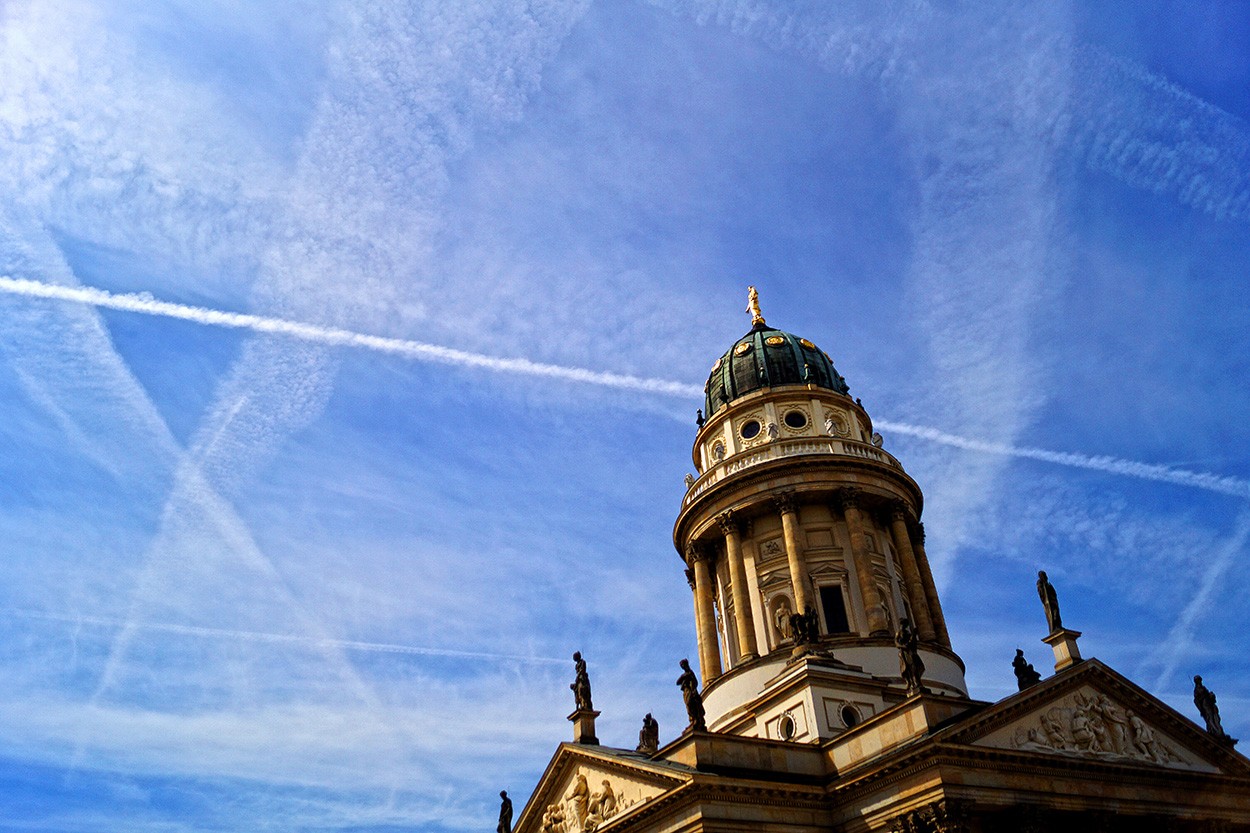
x=832 y=697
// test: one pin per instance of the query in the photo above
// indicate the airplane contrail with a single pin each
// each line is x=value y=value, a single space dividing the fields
x=145 y=304
x=283 y=638
x=1111 y=465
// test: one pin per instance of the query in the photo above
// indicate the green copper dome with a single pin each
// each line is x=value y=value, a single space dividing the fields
x=764 y=358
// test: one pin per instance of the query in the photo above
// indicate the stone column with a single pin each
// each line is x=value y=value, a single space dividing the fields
x=930 y=590
x=786 y=505
x=877 y=624
x=911 y=575
x=704 y=614
x=743 y=617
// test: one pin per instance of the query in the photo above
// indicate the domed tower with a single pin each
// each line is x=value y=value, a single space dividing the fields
x=804 y=549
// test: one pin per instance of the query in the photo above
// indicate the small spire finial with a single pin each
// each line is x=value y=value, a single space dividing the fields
x=753 y=306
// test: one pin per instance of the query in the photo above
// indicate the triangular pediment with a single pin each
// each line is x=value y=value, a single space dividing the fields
x=1091 y=713
x=588 y=787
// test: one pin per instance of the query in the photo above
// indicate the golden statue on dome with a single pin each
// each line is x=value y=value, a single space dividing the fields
x=753 y=306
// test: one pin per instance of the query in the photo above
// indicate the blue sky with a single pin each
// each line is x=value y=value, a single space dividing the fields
x=258 y=582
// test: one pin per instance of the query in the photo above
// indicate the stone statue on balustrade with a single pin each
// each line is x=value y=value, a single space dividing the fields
x=1050 y=601
x=1204 y=699
x=505 y=813
x=911 y=667
x=689 y=685
x=649 y=735
x=581 y=684
x=804 y=626
x=1026 y=674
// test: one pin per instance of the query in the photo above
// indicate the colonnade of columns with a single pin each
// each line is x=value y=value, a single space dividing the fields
x=917 y=578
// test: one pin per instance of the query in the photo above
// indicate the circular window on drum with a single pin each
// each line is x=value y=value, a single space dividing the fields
x=850 y=716
x=795 y=419
x=750 y=429
x=786 y=729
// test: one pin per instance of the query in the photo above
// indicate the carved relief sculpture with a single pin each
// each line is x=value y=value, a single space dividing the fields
x=946 y=816
x=1094 y=726
x=689 y=685
x=579 y=800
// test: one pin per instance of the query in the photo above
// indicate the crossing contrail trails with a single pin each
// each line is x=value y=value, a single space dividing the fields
x=283 y=638
x=145 y=304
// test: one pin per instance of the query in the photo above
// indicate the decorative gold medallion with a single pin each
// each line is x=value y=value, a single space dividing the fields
x=774 y=340
x=807 y=344
x=743 y=348
x=716 y=365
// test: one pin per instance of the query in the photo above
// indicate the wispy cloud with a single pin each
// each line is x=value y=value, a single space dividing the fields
x=1179 y=643
x=281 y=638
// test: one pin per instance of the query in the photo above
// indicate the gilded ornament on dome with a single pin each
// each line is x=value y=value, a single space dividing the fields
x=807 y=344
x=716 y=365
x=774 y=340
x=753 y=306
x=743 y=348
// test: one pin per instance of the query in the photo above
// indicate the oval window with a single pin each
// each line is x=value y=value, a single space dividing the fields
x=750 y=428
x=786 y=728
x=850 y=717
x=796 y=419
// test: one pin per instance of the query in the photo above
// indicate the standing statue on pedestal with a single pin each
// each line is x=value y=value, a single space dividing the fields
x=581 y=684
x=1050 y=601
x=649 y=735
x=689 y=684
x=753 y=306
x=804 y=627
x=911 y=667
x=505 y=813
x=1204 y=699
x=1026 y=674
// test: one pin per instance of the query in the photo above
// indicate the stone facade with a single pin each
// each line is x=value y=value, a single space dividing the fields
x=805 y=555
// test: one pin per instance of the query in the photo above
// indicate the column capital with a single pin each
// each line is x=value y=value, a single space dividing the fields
x=785 y=501
x=899 y=510
x=690 y=577
x=850 y=497
x=729 y=523
x=697 y=551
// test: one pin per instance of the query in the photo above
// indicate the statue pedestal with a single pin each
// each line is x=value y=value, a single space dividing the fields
x=584 y=726
x=1063 y=643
